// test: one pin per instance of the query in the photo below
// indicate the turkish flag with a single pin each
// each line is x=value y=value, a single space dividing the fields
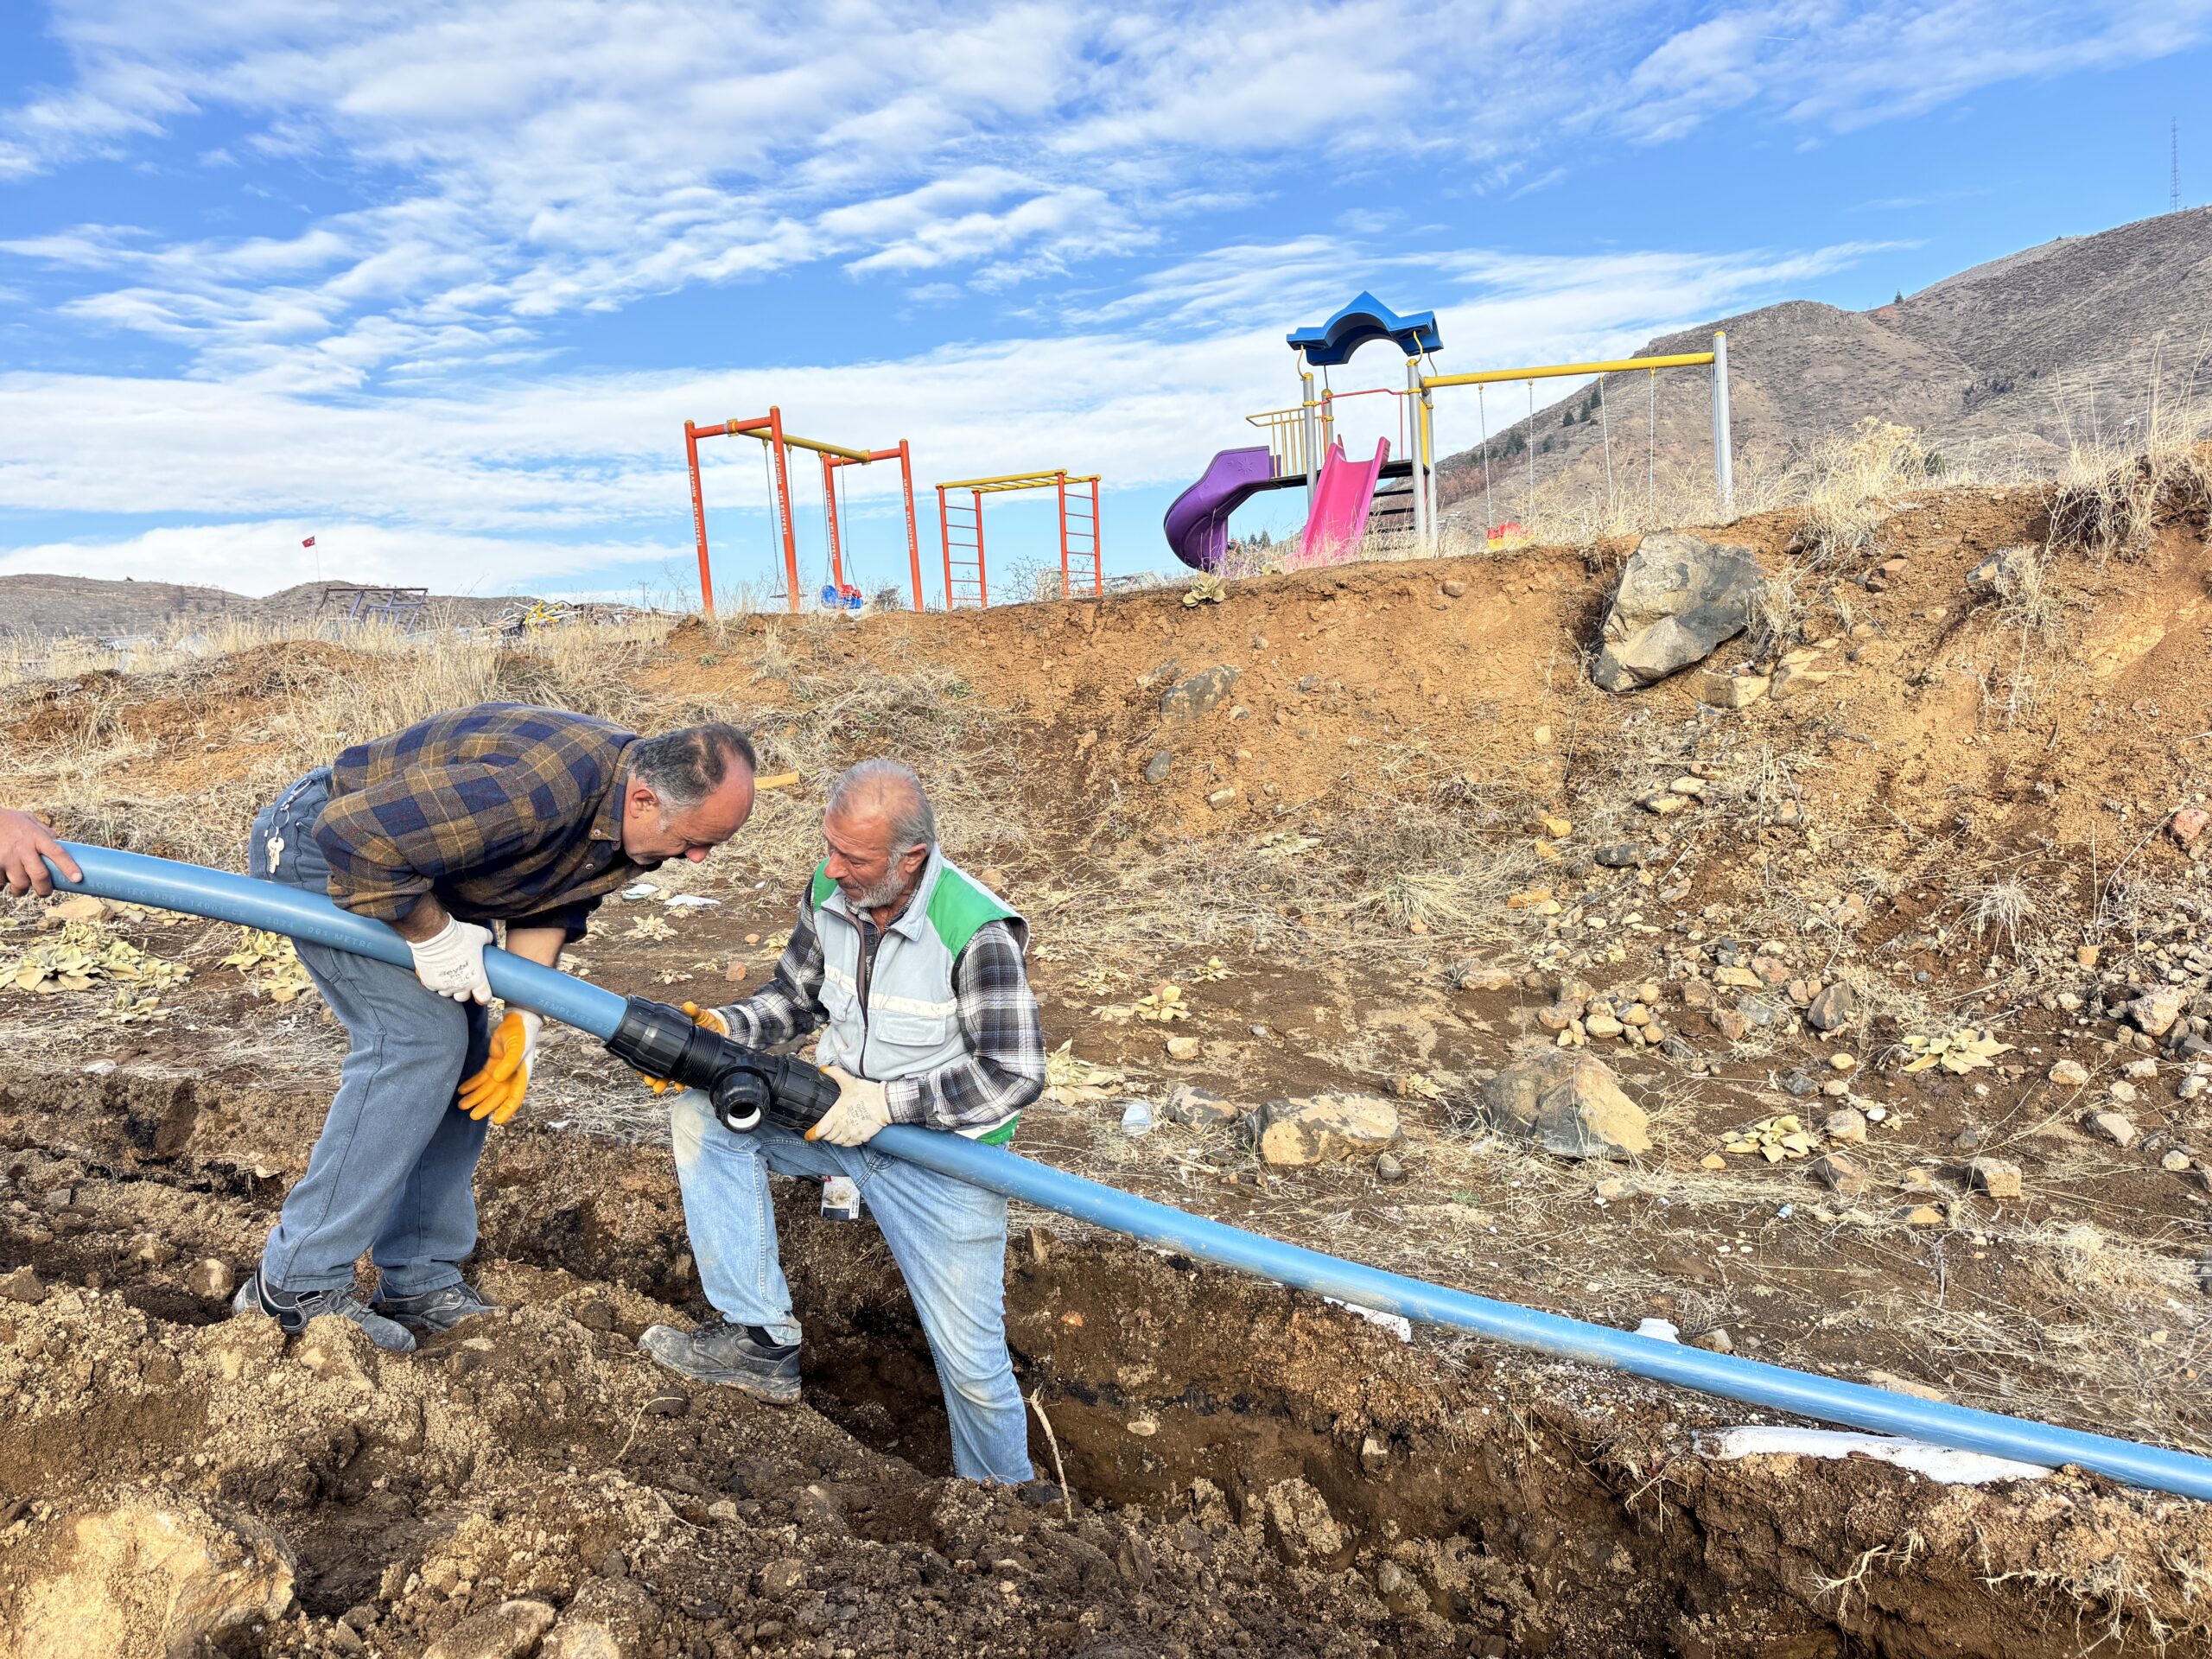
x=309 y=542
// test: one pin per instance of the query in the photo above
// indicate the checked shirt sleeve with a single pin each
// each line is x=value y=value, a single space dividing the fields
x=790 y=1004
x=1004 y=1068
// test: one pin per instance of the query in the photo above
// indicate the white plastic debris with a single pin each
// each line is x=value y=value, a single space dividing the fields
x=639 y=890
x=1659 y=1331
x=1136 y=1117
x=689 y=901
x=1396 y=1324
x=1937 y=1463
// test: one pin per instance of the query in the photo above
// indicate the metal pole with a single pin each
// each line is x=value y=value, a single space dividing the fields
x=983 y=586
x=1724 y=459
x=1067 y=582
x=1420 y=478
x=783 y=494
x=1427 y=451
x=913 y=541
x=699 y=519
x=1306 y=429
x=829 y=517
x=1097 y=546
x=944 y=541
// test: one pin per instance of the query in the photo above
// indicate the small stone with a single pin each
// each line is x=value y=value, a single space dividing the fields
x=1453 y=588
x=21 y=1286
x=781 y=1578
x=1298 y=1517
x=1730 y=1023
x=1994 y=1176
x=1836 y=1088
x=1157 y=768
x=1847 y=1123
x=1603 y=1025
x=1183 y=1048
x=1920 y=1214
x=1483 y=979
x=2085 y=955
x=1311 y=1129
x=1388 y=1170
x=2123 y=1091
x=1834 y=1008
x=1570 y=1104
x=2071 y=1074
x=2186 y=825
x=1715 y=1341
x=2154 y=1012
x=1843 y=1062
x=1839 y=1174
x=211 y=1277
x=1624 y=855
x=1610 y=1189
x=1732 y=690
x=1221 y=797
x=2176 y=1160
x=2115 y=1127
x=1713 y=1160
x=1663 y=804
x=1688 y=784
x=1199 y=1109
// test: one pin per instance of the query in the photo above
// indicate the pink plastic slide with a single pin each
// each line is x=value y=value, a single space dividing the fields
x=1342 y=498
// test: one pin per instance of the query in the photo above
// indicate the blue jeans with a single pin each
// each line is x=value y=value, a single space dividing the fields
x=948 y=1237
x=392 y=1172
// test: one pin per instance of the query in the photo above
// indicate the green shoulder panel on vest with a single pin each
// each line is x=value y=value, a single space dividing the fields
x=958 y=907
x=823 y=886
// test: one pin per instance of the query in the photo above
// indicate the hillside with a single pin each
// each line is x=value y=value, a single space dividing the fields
x=1999 y=367
x=59 y=608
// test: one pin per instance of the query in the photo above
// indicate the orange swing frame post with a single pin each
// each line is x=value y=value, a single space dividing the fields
x=1072 y=553
x=769 y=430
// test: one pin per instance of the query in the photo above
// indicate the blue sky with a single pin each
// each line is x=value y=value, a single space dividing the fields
x=438 y=283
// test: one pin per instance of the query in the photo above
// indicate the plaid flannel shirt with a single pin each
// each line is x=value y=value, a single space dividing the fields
x=1003 y=1070
x=504 y=811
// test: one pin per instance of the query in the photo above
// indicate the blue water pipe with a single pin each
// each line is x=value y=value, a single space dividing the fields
x=162 y=884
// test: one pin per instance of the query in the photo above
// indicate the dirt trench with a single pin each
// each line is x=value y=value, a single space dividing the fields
x=1259 y=1471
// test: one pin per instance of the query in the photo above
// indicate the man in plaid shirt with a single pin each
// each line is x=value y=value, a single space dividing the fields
x=498 y=813
x=912 y=971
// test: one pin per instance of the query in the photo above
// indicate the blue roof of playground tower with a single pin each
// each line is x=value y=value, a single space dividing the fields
x=1366 y=318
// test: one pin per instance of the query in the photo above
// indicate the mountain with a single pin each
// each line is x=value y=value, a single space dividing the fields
x=2002 y=365
x=38 y=606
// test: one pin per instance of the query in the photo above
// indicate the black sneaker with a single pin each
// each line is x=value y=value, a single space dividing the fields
x=292 y=1311
x=434 y=1311
x=737 y=1356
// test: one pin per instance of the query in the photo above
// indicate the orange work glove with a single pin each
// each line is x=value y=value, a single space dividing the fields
x=496 y=1090
x=713 y=1021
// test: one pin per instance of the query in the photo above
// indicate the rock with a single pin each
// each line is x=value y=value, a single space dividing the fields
x=2122 y=1091
x=2153 y=1013
x=1603 y=1025
x=1842 y=1062
x=1715 y=1341
x=2002 y=571
x=2176 y=1160
x=1188 y=699
x=1312 y=1129
x=1663 y=804
x=783 y=1578
x=1839 y=1174
x=1570 y=1104
x=2187 y=825
x=1846 y=1124
x=1834 y=1008
x=581 y=1638
x=1730 y=690
x=1199 y=1109
x=153 y=1577
x=1388 y=1170
x=1475 y=977
x=1624 y=855
x=211 y=1277
x=510 y=1630
x=21 y=1286
x=1920 y=1214
x=1157 y=768
x=1730 y=1023
x=1994 y=1176
x=1453 y=588
x=1300 y=1519
x=1679 y=597
x=1183 y=1048
x=1897 y=1385
x=1400 y=1591
x=1221 y=797
x=77 y=908
x=2072 y=1074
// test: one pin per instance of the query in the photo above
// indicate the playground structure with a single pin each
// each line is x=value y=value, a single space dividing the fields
x=960 y=528
x=1344 y=496
x=777 y=443
x=405 y=609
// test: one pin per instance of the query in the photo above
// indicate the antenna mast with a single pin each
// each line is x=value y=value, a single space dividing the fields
x=2173 y=163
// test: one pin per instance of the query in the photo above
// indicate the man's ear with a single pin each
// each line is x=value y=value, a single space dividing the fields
x=639 y=797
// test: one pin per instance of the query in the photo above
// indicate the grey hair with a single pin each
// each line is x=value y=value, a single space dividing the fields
x=683 y=767
x=892 y=785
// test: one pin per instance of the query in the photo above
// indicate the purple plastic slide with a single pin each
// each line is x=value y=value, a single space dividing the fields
x=1198 y=524
x=1343 y=496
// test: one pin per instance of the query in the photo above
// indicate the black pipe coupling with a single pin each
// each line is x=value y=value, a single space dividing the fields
x=743 y=1085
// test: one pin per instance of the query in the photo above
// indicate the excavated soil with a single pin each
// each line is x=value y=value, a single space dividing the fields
x=1256 y=1471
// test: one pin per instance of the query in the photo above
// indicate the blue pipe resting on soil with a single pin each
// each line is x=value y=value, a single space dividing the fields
x=135 y=878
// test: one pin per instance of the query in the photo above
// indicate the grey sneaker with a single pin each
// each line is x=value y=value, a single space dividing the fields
x=736 y=1356
x=292 y=1311
x=434 y=1311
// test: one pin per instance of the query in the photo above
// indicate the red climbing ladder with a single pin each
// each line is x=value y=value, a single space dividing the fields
x=960 y=526
x=1081 y=569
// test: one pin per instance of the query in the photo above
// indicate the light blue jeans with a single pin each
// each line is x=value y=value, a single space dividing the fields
x=948 y=1237
x=393 y=1171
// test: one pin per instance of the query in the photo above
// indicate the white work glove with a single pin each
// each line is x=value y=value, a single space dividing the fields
x=862 y=1108
x=451 y=962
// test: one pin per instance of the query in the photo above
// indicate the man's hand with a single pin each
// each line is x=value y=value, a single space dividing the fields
x=713 y=1021
x=862 y=1108
x=25 y=844
x=496 y=1090
x=451 y=961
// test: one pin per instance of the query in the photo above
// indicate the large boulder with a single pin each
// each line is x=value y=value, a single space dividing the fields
x=1570 y=1104
x=1679 y=598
